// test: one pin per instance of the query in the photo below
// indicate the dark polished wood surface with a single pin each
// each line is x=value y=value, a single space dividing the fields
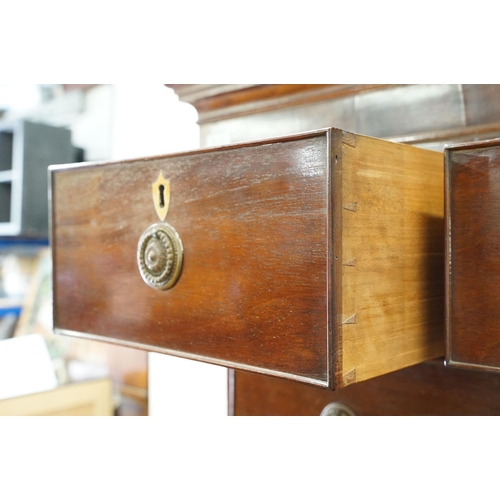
x=473 y=265
x=254 y=224
x=425 y=389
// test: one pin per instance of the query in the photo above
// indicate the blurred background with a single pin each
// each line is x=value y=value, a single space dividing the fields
x=44 y=124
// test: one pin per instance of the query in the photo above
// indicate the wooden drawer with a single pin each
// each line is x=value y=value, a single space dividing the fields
x=473 y=249
x=316 y=257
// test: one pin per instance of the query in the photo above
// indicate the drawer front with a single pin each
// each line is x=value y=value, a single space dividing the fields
x=473 y=255
x=254 y=222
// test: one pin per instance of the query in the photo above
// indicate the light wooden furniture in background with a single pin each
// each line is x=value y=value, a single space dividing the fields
x=92 y=398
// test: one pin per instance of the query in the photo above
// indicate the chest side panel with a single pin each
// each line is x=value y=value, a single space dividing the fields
x=473 y=185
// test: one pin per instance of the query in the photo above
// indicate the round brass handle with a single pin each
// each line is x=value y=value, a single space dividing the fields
x=159 y=256
x=337 y=410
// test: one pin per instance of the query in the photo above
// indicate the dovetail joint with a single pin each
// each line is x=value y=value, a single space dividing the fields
x=352 y=207
x=351 y=320
x=349 y=139
x=350 y=377
x=350 y=263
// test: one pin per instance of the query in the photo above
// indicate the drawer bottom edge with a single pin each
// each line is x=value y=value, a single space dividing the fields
x=195 y=357
x=471 y=366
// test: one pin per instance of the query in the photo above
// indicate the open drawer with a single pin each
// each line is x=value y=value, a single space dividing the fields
x=316 y=257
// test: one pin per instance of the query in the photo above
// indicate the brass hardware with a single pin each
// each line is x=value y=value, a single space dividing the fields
x=337 y=410
x=159 y=256
x=160 y=251
x=161 y=196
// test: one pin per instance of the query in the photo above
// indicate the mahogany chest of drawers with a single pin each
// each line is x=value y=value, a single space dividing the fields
x=315 y=257
x=472 y=255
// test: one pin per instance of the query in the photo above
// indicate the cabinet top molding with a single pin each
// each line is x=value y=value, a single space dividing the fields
x=222 y=101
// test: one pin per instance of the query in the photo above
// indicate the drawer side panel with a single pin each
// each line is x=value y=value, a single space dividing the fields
x=392 y=245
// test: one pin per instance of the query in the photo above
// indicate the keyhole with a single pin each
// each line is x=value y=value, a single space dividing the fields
x=162 y=196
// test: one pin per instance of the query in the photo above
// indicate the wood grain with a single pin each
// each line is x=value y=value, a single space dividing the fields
x=309 y=257
x=253 y=290
x=392 y=257
x=473 y=270
x=425 y=389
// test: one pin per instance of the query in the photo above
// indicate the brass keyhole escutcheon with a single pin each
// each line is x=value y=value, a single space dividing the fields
x=159 y=256
x=161 y=196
